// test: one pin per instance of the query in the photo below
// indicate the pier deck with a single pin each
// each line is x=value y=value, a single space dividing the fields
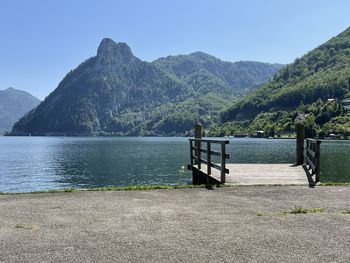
x=207 y=170
x=260 y=174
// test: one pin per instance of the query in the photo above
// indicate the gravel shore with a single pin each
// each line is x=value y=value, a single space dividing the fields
x=235 y=224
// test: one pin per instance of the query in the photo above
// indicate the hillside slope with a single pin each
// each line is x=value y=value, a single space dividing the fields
x=304 y=86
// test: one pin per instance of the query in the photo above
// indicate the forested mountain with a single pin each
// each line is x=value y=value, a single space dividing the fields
x=315 y=85
x=13 y=105
x=114 y=92
x=206 y=73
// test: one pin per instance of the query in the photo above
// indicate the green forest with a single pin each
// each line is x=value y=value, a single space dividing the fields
x=316 y=86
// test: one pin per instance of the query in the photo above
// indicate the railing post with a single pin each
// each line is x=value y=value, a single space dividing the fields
x=307 y=145
x=198 y=135
x=223 y=162
x=300 y=143
x=208 y=158
x=191 y=153
x=198 y=131
x=317 y=160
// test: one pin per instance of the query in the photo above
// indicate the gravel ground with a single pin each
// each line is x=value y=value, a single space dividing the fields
x=237 y=224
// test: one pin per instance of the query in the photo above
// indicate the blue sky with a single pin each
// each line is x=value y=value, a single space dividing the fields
x=42 y=40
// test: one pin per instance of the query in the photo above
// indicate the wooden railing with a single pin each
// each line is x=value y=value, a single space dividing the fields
x=196 y=151
x=312 y=157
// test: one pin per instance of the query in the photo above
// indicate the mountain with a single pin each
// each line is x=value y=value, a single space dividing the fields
x=238 y=77
x=315 y=85
x=116 y=93
x=13 y=105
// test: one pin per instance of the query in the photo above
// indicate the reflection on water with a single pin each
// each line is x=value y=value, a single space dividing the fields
x=37 y=163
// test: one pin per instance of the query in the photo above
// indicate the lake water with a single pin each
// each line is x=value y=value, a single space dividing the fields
x=39 y=163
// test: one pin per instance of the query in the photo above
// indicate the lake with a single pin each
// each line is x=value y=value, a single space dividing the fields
x=41 y=163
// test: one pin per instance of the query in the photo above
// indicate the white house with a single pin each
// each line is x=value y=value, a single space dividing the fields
x=346 y=104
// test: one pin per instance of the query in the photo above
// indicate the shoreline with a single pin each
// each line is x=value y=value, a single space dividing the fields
x=164 y=187
x=169 y=136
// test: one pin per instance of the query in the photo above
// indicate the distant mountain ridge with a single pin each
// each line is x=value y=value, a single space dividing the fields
x=14 y=104
x=115 y=92
x=239 y=77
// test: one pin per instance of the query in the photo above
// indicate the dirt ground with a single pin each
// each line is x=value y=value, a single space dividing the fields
x=235 y=224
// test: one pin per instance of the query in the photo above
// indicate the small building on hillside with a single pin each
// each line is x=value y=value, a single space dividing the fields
x=346 y=104
x=260 y=134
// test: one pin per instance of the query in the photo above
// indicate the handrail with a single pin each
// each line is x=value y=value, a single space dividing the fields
x=312 y=157
x=210 y=140
x=195 y=154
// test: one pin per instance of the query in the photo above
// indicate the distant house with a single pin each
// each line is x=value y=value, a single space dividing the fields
x=260 y=134
x=346 y=104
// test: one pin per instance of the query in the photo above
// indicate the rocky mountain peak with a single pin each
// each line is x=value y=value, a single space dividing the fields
x=112 y=52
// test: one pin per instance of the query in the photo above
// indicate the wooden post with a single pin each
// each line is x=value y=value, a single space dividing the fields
x=223 y=163
x=191 y=154
x=208 y=162
x=208 y=159
x=198 y=135
x=198 y=131
x=300 y=143
x=317 y=160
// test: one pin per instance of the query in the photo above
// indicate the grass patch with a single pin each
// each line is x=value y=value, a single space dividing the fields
x=65 y=190
x=335 y=184
x=347 y=211
x=120 y=188
x=131 y=188
x=22 y=226
x=153 y=187
x=301 y=210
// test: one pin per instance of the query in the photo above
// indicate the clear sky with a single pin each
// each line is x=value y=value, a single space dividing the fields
x=42 y=40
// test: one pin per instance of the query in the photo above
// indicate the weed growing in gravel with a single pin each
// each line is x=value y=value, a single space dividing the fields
x=21 y=226
x=181 y=175
x=261 y=214
x=347 y=211
x=301 y=210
